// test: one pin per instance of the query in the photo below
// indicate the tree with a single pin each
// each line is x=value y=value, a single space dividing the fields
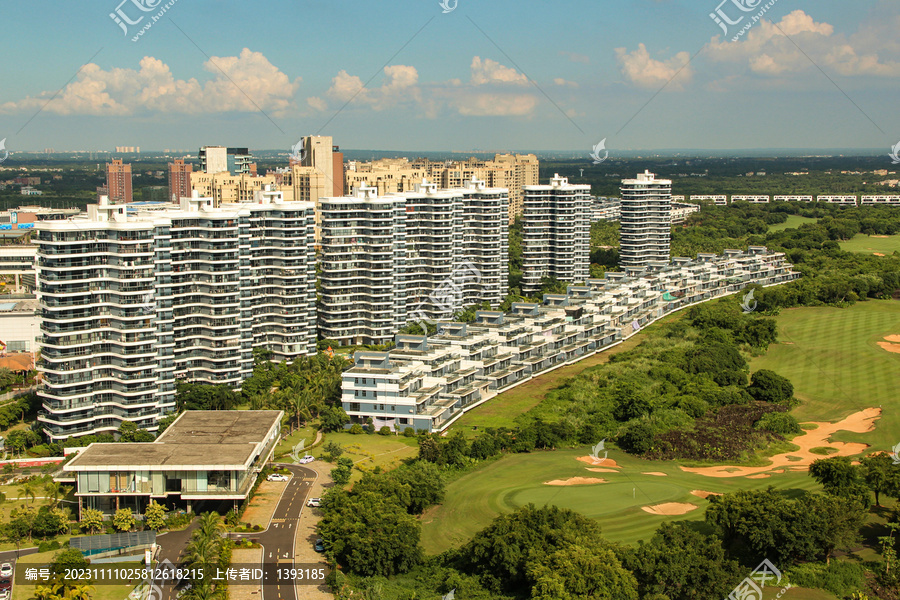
x=426 y=485
x=370 y=534
x=668 y=564
x=67 y=559
x=839 y=476
x=91 y=520
x=127 y=431
x=333 y=419
x=544 y=547
x=155 y=516
x=53 y=490
x=341 y=473
x=28 y=490
x=769 y=386
x=334 y=450
x=123 y=520
x=838 y=521
x=880 y=475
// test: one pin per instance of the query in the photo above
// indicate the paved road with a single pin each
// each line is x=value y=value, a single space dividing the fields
x=278 y=540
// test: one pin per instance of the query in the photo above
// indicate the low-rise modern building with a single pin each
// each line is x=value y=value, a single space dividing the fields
x=425 y=383
x=134 y=298
x=556 y=233
x=682 y=210
x=203 y=456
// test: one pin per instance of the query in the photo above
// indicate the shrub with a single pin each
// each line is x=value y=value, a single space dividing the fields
x=838 y=577
x=409 y=432
x=779 y=422
x=356 y=429
x=385 y=430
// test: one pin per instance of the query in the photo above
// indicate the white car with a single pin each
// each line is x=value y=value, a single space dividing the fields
x=4 y=594
x=306 y=459
x=6 y=570
x=314 y=502
x=277 y=477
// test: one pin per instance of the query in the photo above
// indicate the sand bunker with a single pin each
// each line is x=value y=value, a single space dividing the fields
x=656 y=473
x=704 y=494
x=758 y=476
x=892 y=338
x=893 y=348
x=597 y=462
x=670 y=508
x=878 y=254
x=880 y=236
x=599 y=470
x=859 y=422
x=575 y=481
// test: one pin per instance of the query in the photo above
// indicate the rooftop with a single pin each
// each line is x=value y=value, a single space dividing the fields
x=198 y=438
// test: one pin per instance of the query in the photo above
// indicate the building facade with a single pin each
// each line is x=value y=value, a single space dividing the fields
x=219 y=159
x=556 y=233
x=179 y=180
x=425 y=383
x=118 y=182
x=135 y=300
x=645 y=224
x=416 y=256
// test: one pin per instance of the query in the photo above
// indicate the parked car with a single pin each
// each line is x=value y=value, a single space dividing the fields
x=4 y=594
x=277 y=477
x=6 y=570
x=320 y=545
x=307 y=459
x=5 y=583
x=314 y=502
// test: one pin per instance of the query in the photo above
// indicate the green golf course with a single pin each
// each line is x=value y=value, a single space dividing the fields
x=837 y=369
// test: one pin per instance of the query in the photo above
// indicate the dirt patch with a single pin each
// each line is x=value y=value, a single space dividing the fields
x=656 y=474
x=670 y=508
x=892 y=338
x=880 y=236
x=788 y=343
x=260 y=510
x=704 y=494
x=598 y=470
x=892 y=348
x=596 y=462
x=877 y=254
x=859 y=422
x=575 y=481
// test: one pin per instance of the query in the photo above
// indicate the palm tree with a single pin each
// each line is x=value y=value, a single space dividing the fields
x=53 y=489
x=210 y=526
x=80 y=592
x=27 y=490
x=52 y=591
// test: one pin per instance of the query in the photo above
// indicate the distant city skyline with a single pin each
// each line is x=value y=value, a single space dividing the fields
x=646 y=76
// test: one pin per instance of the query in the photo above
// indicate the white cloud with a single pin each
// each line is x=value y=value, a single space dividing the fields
x=399 y=88
x=489 y=71
x=496 y=105
x=317 y=103
x=249 y=83
x=564 y=82
x=650 y=73
x=766 y=51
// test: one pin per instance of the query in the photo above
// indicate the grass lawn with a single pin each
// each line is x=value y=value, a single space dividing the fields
x=103 y=590
x=831 y=357
x=793 y=222
x=502 y=410
x=836 y=367
x=368 y=451
x=871 y=244
x=284 y=448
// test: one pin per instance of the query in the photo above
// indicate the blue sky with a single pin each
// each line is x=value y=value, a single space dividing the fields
x=488 y=75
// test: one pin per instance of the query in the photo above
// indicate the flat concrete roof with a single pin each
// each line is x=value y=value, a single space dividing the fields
x=198 y=439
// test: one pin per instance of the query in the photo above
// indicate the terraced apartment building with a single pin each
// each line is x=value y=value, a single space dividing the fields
x=428 y=382
x=136 y=297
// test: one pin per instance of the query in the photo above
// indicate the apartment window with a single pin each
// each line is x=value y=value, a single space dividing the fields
x=354 y=406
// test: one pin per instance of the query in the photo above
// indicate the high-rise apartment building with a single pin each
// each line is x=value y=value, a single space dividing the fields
x=118 y=182
x=362 y=267
x=219 y=159
x=416 y=256
x=179 y=179
x=645 y=223
x=134 y=301
x=223 y=187
x=556 y=233
x=393 y=175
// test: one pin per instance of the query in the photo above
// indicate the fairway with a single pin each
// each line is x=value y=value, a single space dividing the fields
x=872 y=244
x=793 y=222
x=830 y=355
